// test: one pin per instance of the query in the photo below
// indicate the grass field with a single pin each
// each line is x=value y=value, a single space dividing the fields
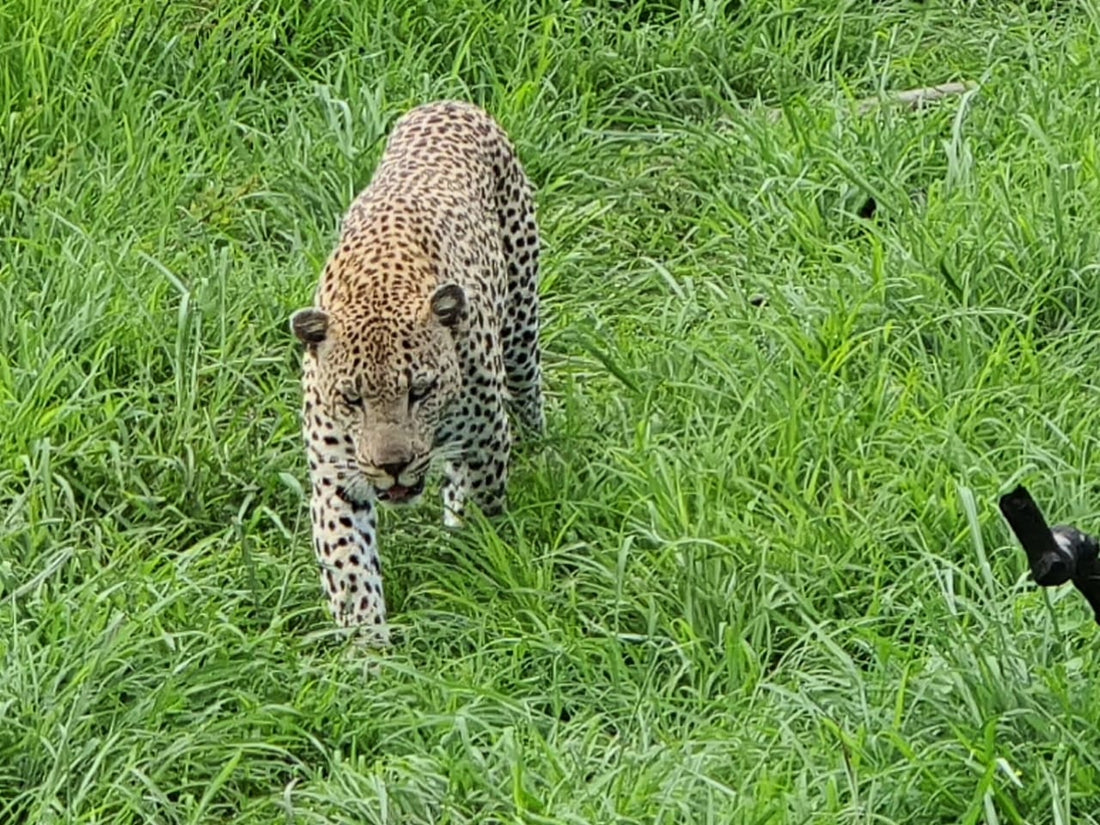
x=755 y=571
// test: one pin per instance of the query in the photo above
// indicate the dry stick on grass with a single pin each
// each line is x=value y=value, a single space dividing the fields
x=911 y=98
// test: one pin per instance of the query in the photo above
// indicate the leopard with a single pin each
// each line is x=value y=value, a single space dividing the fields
x=420 y=348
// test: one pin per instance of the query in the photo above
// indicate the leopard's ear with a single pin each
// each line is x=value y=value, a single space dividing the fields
x=309 y=325
x=448 y=303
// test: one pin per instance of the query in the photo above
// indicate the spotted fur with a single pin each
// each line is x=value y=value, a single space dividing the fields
x=423 y=333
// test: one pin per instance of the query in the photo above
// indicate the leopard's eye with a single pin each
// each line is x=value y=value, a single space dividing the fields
x=352 y=400
x=418 y=392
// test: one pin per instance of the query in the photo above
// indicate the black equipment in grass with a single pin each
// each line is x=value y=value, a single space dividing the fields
x=1055 y=555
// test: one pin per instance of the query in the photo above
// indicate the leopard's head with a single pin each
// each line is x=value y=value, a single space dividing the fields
x=387 y=379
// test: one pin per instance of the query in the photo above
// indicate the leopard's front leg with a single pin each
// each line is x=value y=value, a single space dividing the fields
x=479 y=470
x=345 y=524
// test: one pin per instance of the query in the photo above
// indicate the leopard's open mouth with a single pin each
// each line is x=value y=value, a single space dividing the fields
x=400 y=494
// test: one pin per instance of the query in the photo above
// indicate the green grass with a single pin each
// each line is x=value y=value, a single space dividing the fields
x=754 y=573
